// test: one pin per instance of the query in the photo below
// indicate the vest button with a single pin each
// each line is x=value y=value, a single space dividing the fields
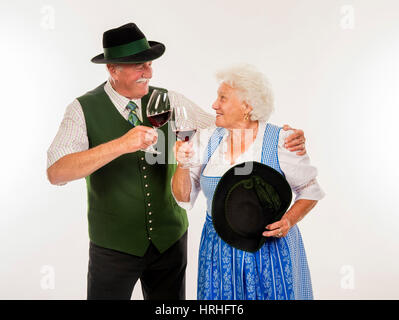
x=150 y=221
x=142 y=158
x=149 y=213
x=149 y=238
x=150 y=229
x=143 y=168
x=148 y=194
x=145 y=177
x=146 y=185
x=149 y=204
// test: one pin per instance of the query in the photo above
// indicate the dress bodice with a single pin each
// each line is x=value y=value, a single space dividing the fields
x=269 y=157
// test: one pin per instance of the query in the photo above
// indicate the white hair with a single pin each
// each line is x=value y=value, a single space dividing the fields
x=117 y=67
x=252 y=87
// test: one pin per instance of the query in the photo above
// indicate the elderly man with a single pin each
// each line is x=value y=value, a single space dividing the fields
x=136 y=229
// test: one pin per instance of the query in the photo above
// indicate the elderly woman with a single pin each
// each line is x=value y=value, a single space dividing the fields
x=279 y=270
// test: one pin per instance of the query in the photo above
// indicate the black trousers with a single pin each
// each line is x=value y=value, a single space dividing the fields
x=113 y=274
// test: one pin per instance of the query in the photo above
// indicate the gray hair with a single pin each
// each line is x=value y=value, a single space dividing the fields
x=252 y=87
x=117 y=67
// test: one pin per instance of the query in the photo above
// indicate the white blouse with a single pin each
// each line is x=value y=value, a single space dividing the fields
x=298 y=171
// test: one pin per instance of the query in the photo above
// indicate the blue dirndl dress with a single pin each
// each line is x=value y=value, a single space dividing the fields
x=278 y=271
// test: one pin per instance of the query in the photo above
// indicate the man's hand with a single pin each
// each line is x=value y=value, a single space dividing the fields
x=138 y=138
x=295 y=141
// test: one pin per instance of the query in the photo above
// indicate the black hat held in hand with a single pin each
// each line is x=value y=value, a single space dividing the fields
x=243 y=205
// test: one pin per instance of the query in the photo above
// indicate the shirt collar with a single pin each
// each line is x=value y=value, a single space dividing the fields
x=118 y=100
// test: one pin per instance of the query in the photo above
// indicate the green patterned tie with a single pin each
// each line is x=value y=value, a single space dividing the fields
x=133 y=118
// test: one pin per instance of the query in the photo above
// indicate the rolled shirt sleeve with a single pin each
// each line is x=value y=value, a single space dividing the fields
x=71 y=136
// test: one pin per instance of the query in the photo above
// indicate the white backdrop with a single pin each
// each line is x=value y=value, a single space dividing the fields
x=334 y=68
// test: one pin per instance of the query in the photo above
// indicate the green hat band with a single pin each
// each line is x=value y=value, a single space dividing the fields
x=127 y=49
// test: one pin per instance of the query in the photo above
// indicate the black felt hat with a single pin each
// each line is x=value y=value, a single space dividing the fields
x=127 y=44
x=244 y=204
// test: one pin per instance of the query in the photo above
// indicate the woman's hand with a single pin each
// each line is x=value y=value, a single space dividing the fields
x=183 y=151
x=181 y=182
x=278 y=229
x=295 y=214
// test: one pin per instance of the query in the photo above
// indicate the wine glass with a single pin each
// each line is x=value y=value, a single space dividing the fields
x=158 y=112
x=184 y=125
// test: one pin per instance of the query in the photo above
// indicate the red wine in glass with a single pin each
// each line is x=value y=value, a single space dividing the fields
x=158 y=112
x=185 y=135
x=158 y=120
x=184 y=125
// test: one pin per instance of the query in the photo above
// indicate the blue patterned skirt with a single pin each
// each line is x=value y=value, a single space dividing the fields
x=278 y=271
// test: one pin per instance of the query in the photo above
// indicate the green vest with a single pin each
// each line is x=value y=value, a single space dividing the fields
x=130 y=203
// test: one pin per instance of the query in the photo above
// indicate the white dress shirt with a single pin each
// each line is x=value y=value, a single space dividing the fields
x=300 y=174
x=72 y=135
